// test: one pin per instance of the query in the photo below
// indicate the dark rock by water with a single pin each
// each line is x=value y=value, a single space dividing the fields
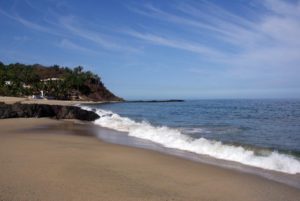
x=42 y=110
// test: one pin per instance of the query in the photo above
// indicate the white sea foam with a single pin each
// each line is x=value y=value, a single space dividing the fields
x=173 y=138
x=194 y=130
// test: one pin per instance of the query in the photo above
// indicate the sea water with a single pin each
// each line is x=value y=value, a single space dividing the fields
x=259 y=133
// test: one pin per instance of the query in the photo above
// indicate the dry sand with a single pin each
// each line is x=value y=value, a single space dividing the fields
x=47 y=163
x=12 y=100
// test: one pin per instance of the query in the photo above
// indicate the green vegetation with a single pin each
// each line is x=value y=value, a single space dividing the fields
x=56 y=82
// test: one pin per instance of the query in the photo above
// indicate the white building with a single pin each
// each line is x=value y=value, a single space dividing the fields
x=8 y=82
x=51 y=79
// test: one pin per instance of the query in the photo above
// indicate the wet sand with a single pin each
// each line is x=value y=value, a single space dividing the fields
x=43 y=159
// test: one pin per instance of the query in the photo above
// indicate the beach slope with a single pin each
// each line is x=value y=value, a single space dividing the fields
x=43 y=159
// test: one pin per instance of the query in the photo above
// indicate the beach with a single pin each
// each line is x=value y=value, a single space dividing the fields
x=22 y=100
x=150 y=101
x=45 y=159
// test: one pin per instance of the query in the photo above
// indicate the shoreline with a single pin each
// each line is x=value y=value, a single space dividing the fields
x=119 y=135
x=70 y=166
x=121 y=138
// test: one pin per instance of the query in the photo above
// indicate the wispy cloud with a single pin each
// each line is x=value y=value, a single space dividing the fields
x=203 y=19
x=93 y=36
x=268 y=33
x=30 y=24
x=63 y=26
x=175 y=43
x=284 y=8
x=265 y=46
x=66 y=43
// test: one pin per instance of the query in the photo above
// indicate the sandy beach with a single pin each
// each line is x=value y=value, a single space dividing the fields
x=44 y=159
x=12 y=100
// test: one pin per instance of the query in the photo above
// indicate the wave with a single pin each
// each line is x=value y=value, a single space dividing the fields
x=174 y=138
x=194 y=130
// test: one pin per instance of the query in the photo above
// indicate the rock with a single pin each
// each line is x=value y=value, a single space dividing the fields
x=41 y=110
x=72 y=112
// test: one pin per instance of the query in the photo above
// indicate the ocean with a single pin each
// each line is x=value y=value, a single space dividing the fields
x=264 y=134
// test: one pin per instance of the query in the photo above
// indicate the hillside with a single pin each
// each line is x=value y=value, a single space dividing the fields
x=53 y=82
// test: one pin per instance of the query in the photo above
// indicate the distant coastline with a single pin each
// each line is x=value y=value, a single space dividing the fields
x=154 y=101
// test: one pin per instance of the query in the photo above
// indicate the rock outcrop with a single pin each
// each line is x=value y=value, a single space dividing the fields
x=43 y=110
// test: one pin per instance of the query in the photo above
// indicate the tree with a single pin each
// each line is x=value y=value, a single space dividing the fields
x=78 y=70
x=71 y=81
x=2 y=74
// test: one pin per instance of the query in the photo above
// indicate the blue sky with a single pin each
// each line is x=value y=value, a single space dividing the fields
x=163 y=49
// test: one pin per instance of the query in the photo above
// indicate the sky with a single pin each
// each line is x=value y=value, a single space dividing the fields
x=163 y=49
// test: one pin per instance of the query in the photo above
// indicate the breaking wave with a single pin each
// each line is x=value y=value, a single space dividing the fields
x=174 y=138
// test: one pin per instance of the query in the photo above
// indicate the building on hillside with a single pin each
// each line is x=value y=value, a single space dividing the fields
x=26 y=86
x=8 y=82
x=51 y=79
